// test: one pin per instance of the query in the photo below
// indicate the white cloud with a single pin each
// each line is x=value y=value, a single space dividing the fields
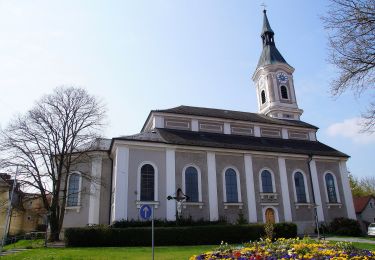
x=350 y=128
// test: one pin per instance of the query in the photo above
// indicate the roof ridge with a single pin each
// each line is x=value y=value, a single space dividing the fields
x=213 y=108
x=234 y=115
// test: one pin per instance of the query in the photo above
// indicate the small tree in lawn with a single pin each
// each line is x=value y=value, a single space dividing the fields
x=46 y=141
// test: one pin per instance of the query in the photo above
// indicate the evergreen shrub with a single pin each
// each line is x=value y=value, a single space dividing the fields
x=345 y=227
x=166 y=236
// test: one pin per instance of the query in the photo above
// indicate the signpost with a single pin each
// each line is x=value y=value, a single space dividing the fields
x=146 y=212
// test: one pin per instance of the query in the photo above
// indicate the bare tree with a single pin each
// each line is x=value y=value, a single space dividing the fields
x=46 y=141
x=351 y=28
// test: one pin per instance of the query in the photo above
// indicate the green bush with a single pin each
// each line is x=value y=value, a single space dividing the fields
x=285 y=230
x=165 y=236
x=345 y=227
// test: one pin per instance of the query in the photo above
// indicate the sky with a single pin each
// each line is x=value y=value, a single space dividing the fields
x=141 y=55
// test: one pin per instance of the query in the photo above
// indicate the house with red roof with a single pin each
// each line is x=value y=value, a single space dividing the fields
x=365 y=210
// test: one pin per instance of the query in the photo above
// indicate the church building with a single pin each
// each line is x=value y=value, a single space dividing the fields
x=265 y=166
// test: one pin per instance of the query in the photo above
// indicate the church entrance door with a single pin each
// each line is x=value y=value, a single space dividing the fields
x=270 y=215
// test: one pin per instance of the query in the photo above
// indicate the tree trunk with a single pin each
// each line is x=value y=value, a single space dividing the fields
x=55 y=230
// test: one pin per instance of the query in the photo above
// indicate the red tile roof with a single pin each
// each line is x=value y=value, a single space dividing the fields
x=360 y=203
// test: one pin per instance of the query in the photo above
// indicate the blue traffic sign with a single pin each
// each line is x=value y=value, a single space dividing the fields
x=145 y=211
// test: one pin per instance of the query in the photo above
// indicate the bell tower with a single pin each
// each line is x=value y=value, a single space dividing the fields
x=273 y=80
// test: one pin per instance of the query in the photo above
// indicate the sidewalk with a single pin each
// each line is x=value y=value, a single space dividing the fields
x=351 y=239
x=58 y=244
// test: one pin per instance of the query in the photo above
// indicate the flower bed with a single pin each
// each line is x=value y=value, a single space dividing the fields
x=287 y=249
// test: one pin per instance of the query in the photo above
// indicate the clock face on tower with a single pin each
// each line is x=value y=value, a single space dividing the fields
x=282 y=77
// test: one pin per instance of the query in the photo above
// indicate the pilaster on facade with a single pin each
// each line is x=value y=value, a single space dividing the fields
x=120 y=210
x=275 y=87
x=227 y=128
x=284 y=133
x=257 y=131
x=250 y=189
x=158 y=122
x=347 y=191
x=194 y=125
x=312 y=136
x=316 y=190
x=171 y=183
x=212 y=186
x=285 y=189
x=293 y=90
x=94 y=204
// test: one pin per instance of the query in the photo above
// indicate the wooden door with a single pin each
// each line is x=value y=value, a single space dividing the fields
x=270 y=215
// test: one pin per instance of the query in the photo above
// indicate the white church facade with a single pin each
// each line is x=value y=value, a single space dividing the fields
x=265 y=166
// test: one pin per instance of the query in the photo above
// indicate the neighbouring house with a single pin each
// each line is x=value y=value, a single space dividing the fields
x=365 y=210
x=266 y=166
x=27 y=212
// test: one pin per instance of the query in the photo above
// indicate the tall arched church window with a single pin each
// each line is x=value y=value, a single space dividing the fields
x=266 y=182
x=331 y=190
x=147 y=183
x=300 y=187
x=284 y=92
x=73 y=190
x=191 y=184
x=263 y=96
x=231 y=185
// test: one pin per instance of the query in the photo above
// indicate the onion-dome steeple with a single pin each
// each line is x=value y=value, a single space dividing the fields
x=270 y=54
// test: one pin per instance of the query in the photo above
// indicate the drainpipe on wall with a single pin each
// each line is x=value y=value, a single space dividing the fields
x=313 y=197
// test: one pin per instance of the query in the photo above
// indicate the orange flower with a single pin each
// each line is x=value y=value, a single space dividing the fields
x=237 y=254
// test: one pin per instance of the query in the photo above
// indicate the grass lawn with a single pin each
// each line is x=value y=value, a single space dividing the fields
x=364 y=246
x=141 y=253
x=25 y=244
x=112 y=253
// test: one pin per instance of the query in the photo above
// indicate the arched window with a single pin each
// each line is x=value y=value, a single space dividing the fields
x=331 y=190
x=299 y=183
x=267 y=181
x=231 y=188
x=147 y=182
x=191 y=184
x=284 y=92
x=74 y=184
x=263 y=96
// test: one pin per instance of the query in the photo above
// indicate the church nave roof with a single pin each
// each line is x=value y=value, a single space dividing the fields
x=238 y=142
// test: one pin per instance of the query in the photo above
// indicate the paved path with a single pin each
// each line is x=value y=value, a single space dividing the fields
x=59 y=244
x=12 y=251
x=351 y=239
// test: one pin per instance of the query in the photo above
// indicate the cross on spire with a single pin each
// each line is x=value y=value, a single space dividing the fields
x=264 y=6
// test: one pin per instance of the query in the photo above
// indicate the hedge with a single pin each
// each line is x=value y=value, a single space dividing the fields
x=165 y=236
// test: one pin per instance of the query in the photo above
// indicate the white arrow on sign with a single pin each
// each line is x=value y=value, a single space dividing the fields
x=145 y=210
